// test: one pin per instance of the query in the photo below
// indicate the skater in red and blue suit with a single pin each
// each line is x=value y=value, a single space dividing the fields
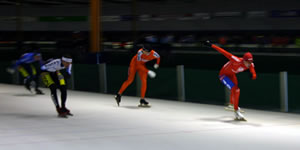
x=228 y=73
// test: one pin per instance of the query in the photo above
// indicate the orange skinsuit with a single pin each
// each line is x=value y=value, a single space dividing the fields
x=137 y=64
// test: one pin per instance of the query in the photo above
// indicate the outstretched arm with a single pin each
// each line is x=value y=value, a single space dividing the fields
x=25 y=58
x=219 y=49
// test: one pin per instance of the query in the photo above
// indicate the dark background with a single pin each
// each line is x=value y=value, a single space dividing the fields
x=269 y=29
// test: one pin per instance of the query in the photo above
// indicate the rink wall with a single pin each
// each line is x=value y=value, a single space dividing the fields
x=200 y=86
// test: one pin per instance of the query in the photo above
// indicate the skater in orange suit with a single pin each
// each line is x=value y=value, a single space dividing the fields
x=137 y=64
x=228 y=73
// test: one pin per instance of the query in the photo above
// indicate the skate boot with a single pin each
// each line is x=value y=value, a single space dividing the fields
x=27 y=84
x=61 y=114
x=39 y=92
x=118 y=99
x=239 y=116
x=144 y=103
x=67 y=111
x=230 y=107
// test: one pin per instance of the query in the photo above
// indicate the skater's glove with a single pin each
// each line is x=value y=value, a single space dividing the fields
x=151 y=74
x=60 y=76
x=206 y=43
x=10 y=70
x=156 y=66
x=252 y=76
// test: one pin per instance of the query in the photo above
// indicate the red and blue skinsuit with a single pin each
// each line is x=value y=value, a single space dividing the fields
x=228 y=73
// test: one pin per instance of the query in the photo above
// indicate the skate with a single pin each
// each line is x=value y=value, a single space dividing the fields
x=27 y=85
x=61 y=114
x=39 y=92
x=239 y=116
x=118 y=99
x=66 y=111
x=144 y=103
x=230 y=107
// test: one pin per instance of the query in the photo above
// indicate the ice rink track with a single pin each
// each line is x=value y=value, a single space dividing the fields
x=29 y=122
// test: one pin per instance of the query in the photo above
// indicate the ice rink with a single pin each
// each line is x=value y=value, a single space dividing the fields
x=29 y=122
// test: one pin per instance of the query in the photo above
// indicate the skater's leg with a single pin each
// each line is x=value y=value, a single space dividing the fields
x=23 y=71
x=143 y=76
x=143 y=73
x=48 y=80
x=35 y=78
x=235 y=94
x=63 y=91
x=54 y=95
x=27 y=78
x=229 y=82
x=131 y=75
x=62 y=87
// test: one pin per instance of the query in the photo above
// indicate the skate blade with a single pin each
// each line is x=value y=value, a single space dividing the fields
x=40 y=93
x=231 y=109
x=144 y=106
x=30 y=91
x=62 y=116
x=69 y=114
x=118 y=103
x=240 y=119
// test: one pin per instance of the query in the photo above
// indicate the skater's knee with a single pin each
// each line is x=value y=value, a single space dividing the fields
x=144 y=82
x=234 y=88
x=129 y=80
x=52 y=88
x=63 y=89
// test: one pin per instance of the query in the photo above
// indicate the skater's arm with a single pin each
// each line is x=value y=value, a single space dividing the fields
x=69 y=70
x=222 y=51
x=219 y=49
x=252 y=70
x=156 y=55
x=52 y=66
x=139 y=55
x=25 y=58
x=41 y=62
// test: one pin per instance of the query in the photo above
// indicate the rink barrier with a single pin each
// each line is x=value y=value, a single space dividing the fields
x=284 y=107
x=102 y=77
x=180 y=82
x=270 y=91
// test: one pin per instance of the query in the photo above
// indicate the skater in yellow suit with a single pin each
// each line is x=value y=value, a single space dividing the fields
x=53 y=79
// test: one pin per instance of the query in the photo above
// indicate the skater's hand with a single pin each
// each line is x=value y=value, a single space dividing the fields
x=206 y=43
x=60 y=76
x=156 y=66
x=151 y=74
x=10 y=70
x=253 y=77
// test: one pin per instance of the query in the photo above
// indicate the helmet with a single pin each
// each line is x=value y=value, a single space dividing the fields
x=37 y=54
x=248 y=56
x=147 y=47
